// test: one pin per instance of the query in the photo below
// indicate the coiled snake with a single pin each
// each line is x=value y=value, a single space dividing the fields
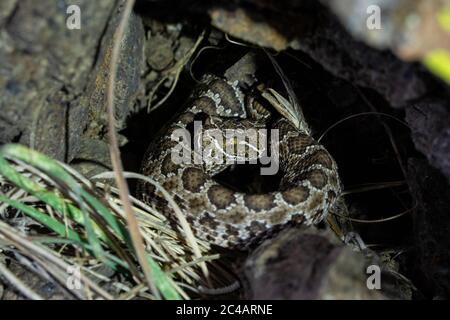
x=309 y=183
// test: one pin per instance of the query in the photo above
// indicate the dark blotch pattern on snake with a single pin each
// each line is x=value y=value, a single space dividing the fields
x=308 y=188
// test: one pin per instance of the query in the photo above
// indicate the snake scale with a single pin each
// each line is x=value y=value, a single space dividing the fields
x=225 y=217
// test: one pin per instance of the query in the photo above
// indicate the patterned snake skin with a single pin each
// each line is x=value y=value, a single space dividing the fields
x=309 y=183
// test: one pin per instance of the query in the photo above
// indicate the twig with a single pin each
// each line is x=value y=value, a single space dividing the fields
x=122 y=185
x=22 y=243
x=181 y=218
x=376 y=220
x=197 y=56
x=359 y=115
x=176 y=71
x=388 y=132
x=373 y=186
x=18 y=284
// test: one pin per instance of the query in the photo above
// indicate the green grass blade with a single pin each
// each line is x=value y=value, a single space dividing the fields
x=43 y=218
x=54 y=170
x=162 y=281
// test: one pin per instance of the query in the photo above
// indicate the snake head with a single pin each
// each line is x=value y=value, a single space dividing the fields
x=231 y=141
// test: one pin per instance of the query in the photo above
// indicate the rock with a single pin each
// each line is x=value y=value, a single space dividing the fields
x=240 y=24
x=310 y=264
x=307 y=26
x=158 y=52
x=354 y=16
x=51 y=97
x=93 y=157
x=184 y=45
x=49 y=127
x=397 y=81
x=431 y=228
x=87 y=116
x=429 y=121
x=43 y=65
x=6 y=8
x=410 y=28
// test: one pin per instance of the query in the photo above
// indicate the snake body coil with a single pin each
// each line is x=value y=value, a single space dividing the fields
x=309 y=185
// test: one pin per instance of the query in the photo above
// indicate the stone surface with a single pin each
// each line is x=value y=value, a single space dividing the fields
x=87 y=118
x=43 y=66
x=159 y=53
x=431 y=230
x=411 y=28
x=429 y=120
x=398 y=82
x=53 y=80
x=240 y=24
x=310 y=264
x=6 y=8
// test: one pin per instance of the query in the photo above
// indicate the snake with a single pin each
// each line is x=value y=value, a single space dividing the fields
x=308 y=187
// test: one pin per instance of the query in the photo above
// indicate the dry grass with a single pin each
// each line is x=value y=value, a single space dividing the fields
x=39 y=221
